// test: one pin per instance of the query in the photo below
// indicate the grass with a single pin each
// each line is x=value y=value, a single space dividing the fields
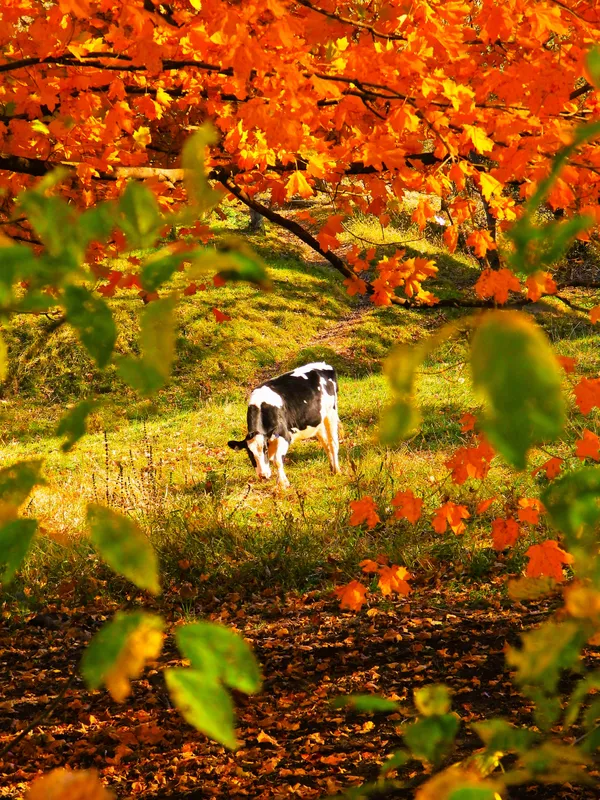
x=166 y=462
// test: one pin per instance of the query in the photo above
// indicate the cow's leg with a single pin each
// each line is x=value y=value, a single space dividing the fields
x=331 y=427
x=280 y=448
x=323 y=436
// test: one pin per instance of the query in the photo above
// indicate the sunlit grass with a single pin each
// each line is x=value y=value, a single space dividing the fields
x=166 y=462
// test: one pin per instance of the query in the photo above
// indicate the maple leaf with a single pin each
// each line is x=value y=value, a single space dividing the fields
x=538 y=284
x=587 y=394
x=451 y=237
x=394 y=579
x=79 y=8
x=142 y=136
x=407 y=506
x=450 y=514
x=144 y=644
x=595 y=315
x=467 y=422
x=351 y=596
x=483 y=506
x=567 y=363
x=355 y=286
x=530 y=510
x=551 y=467
x=368 y=565
x=488 y=184
x=297 y=184
x=364 y=510
x=327 y=235
x=220 y=316
x=471 y=462
x=218 y=281
x=547 y=559
x=497 y=284
x=481 y=241
x=589 y=446
x=505 y=533
x=63 y=784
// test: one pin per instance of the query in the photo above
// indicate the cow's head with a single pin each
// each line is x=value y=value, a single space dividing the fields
x=256 y=445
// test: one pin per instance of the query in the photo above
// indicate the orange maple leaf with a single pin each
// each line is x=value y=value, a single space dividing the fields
x=394 y=579
x=530 y=510
x=483 y=506
x=218 y=281
x=351 y=596
x=481 y=241
x=64 y=784
x=297 y=184
x=467 y=422
x=547 y=559
x=497 y=284
x=355 y=286
x=595 y=315
x=451 y=237
x=471 y=462
x=368 y=565
x=364 y=510
x=551 y=467
x=589 y=446
x=587 y=394
x=505 y=533
x=220 y=316
x=567 y=363
x=538 y=284
x=450 y=514
x=407 y=506
x=327 y=237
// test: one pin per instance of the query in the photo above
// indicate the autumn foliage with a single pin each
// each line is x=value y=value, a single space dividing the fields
x=465 y=104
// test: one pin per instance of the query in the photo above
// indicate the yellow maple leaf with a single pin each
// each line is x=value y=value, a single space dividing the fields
x=142 y=136
x=488 y=185
x=144 y=644
x=297 y=184
x=63 y=784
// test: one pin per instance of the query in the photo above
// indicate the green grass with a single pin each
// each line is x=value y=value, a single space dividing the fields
x=166 y=463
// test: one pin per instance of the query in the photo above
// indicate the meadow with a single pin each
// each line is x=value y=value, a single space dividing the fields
x=166 y=462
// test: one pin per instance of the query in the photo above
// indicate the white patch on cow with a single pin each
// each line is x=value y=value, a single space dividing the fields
x=264 y=394
x=307 y=433
x=276 y=453
x=257 y=448
x=302 y=372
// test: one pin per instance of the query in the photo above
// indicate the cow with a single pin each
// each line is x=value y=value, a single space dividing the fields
x=301 y=404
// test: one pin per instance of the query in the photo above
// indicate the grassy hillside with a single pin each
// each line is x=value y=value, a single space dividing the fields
x=166 y=462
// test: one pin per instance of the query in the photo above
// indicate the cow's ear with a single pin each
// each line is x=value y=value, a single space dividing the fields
x=237 y=445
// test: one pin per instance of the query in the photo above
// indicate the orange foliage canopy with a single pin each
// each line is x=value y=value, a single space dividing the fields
x=432 y=96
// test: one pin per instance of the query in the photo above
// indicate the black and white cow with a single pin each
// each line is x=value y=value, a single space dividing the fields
x=301 y=404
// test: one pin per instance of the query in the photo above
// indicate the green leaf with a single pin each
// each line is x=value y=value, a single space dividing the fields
x=430 y=738
x=203 y=703
x=52 y=218
x=141 y=376
x=545 y=652
x=200 y=193
x=17 y=481
x=110 y=644
x=398 y=422
x=572 y=503
x=233 y=261
x=588 y=684
x=159 y=268
x=96 y=224
x=93 y=321
x=15 y=539
x=139 y=216
x=433 y=700
x=592 y=62
x=398 y=759
x=220 y=654
x=500 y=735
x=73 y=424
x=366 y=702
x=157 y=335
x=124 y=547
x=518 y=376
